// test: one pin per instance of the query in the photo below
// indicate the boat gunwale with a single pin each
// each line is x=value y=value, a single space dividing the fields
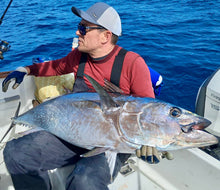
x=4 y=74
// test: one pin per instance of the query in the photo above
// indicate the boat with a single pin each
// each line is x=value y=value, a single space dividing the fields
x=190 y=169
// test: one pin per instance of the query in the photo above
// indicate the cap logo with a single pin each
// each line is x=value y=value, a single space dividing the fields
x=94 y=15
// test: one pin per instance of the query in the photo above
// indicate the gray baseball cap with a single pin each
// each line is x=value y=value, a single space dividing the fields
x=101 y=14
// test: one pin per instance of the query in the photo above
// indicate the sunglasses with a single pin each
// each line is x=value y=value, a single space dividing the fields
x=82 y=29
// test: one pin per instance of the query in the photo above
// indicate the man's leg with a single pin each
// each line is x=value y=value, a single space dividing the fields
x=93 y=173
x=29 y=157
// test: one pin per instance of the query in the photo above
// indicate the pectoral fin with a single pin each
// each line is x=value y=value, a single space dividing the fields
x=95 y=151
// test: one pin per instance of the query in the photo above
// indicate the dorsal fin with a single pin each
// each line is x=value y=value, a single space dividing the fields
x=110 y=87
x=106 y=100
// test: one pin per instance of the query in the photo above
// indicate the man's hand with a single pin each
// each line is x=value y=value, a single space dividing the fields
x=17 y=75
x=151 y=155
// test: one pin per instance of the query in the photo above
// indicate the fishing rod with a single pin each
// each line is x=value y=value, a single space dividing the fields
x=5 y=12
x=12 y=124
x=4 y=46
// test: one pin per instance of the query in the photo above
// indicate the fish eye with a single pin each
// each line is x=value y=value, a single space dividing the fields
x=175 y=112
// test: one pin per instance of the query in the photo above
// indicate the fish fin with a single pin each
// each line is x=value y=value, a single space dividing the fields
x=106 y=100
x=95 y=151
x=111 y=159
x=110 y=87
x=30 y=131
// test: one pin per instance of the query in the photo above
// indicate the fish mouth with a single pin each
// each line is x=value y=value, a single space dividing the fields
x=196 y=126
x=194 y=135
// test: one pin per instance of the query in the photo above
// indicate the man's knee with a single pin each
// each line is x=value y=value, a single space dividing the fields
x=9 y=151
x=17 y=155
x=11 y=156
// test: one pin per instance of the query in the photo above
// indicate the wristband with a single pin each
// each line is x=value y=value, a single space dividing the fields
x=22 y=69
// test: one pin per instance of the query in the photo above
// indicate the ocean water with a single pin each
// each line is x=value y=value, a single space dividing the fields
x=179 y=39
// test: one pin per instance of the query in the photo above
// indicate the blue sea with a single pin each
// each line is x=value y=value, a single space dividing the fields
x=180 y=39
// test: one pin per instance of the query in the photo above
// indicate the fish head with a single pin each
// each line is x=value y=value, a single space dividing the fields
x=164 y=126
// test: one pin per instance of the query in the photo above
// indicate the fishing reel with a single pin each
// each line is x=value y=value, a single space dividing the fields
x=4 y=47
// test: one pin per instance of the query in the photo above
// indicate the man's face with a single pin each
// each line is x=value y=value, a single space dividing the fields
x=91 y=41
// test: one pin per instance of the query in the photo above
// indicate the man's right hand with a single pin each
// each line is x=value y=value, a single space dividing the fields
x=151 y=155
x=17 y=75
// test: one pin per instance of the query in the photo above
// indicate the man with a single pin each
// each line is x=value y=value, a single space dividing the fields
x=28 y=158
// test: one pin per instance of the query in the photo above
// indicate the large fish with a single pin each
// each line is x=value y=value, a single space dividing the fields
x=119 y=124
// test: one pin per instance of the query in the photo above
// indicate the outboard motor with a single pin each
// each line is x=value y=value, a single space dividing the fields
x=208 y=102
x=208 y=106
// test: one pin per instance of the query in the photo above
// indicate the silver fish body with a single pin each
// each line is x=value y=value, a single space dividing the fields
x=88 y=121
